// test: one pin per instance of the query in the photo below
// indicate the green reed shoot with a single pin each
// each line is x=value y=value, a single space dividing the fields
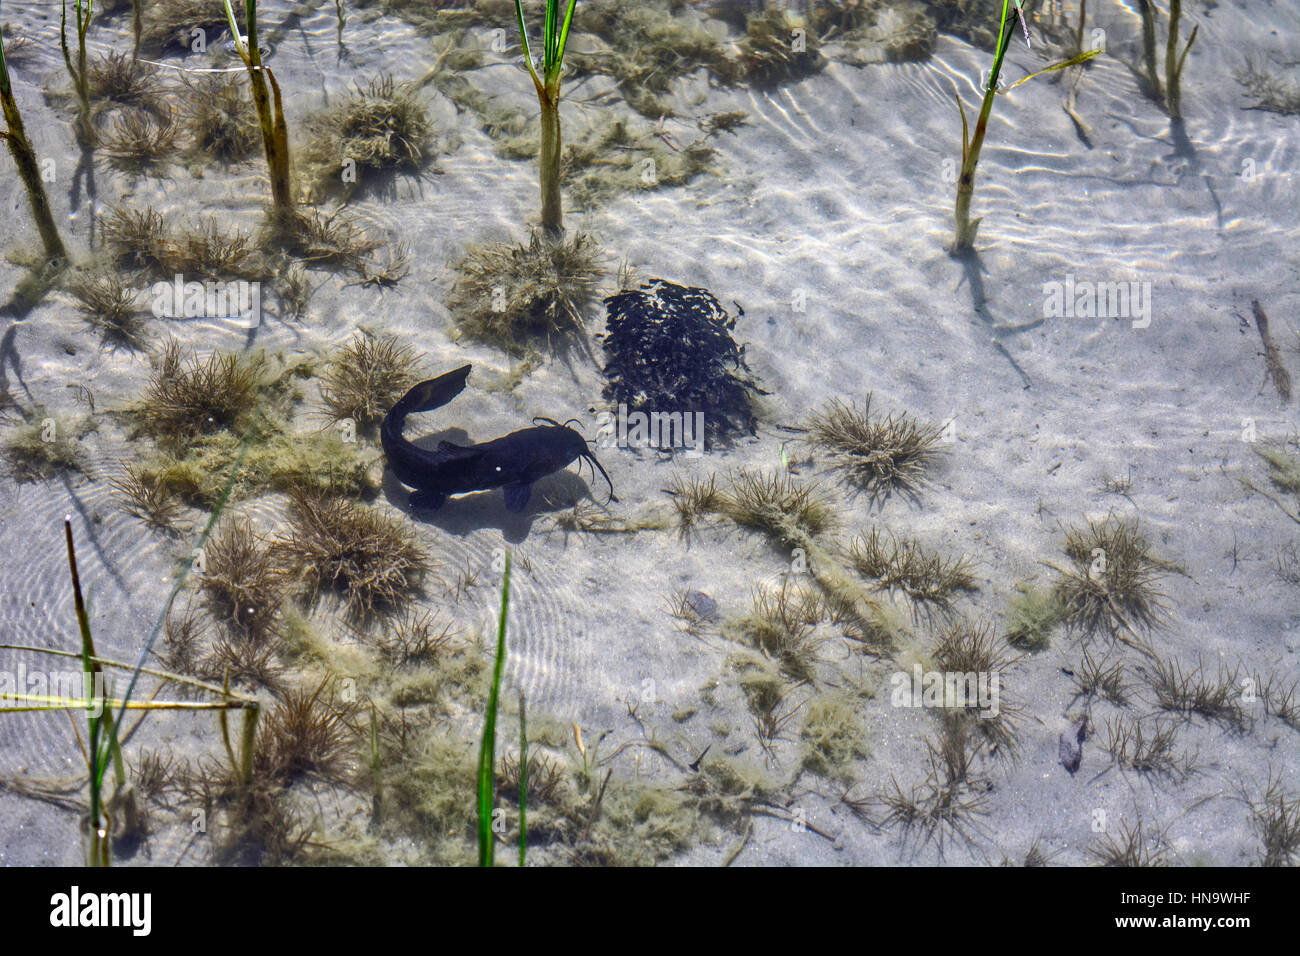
x=555 y=37
x=137 y=25
x=523 y=782
x=100 y=721
x=1174 y=61
x=80 y=75
x=1171 y=93
x=487 y=752
x=270 y=111
x=972 y=145
x=29 y=170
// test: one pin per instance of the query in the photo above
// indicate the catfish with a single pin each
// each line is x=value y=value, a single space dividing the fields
x=512 y=462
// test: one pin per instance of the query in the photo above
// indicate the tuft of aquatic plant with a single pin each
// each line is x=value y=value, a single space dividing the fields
x=370 y=560
x=168 y=25
x=44 y=445
x=1217 y=698
x=367 y=377
x=1093 y=678
x=1269 y=91
x=781 y=627
x=509 y=295
x=140 y=140
x=240 y=580
x=878 y=455
x=1131 y=846
x=904 y=564
x=1112 y=581
x=121 y=79
x=775 y=48
x=833 y=736
x=219 y=115
x=380 y=125
x=1031 y=617
x=1275 y=818
x=189 y=398
x=306 y=734
x=106 y=302
x=1134 y=748
x=693 y=499
x=646 y=48
x=136 y=237
x=149 y=499
x=776 y=504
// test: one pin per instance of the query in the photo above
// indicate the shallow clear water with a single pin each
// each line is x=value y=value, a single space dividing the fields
x=822 y=224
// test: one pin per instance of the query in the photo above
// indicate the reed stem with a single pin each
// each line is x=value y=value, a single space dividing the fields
x=29 y=170
x=967 y=227
x=487 y=751
x=270 y=112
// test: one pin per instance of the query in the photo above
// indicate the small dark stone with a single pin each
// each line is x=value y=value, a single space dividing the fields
x=1070 y=746
x=702 y=605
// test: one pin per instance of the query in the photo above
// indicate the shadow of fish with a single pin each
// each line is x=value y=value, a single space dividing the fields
x=513 y=462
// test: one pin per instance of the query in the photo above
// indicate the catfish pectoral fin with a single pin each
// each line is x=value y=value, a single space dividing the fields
x=426 y=500
x=517 y=496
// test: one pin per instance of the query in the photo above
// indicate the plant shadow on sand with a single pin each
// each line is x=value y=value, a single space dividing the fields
x=475 y=511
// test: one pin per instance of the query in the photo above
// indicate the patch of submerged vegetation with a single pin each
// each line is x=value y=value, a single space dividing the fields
x=378 y=127
x=1112 y=581
x=368 y=559
x=879 y=455
x=188 y=398
x=833 y=737
x=110 y=306
x=139 y=239
x=222 y=122
x=1270 y=91
x=1032 y=615
x=169 y=25
x=781 y=626
x=367 y=377
x=44 y=445
x=929 y=579
x=777 y=49
x=511 y=296
x=207 y=415
x=276 y=460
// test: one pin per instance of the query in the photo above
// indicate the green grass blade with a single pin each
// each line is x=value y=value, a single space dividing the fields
x=1086 y=55
x=563 y=40
x=487 y=752
x=235 y=34
x=523 y=782
x=548 y=38
x=187 y=565
x=528 y=53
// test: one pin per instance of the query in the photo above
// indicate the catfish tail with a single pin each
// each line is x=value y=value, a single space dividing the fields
x=432 y=394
